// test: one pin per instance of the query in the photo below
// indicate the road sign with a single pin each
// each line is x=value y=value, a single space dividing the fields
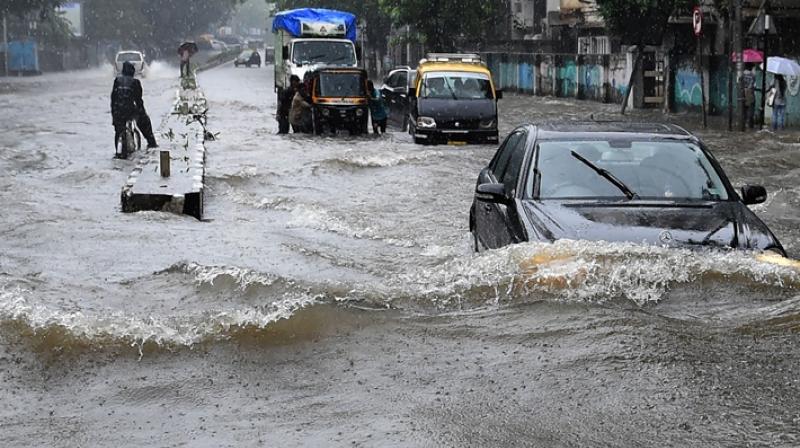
x=697 y=21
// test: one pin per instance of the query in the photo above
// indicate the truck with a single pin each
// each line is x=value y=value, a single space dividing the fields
x=310 y=38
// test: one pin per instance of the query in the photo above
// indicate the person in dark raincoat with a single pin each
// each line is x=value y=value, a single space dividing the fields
x=127 y=104
x=285 y=106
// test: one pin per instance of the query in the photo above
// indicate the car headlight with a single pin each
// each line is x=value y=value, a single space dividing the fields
x=359 y=112
x=487 y=123
x=325 y=112
x=426 y=123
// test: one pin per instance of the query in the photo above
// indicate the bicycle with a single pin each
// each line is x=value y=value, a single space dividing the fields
x=129 y=141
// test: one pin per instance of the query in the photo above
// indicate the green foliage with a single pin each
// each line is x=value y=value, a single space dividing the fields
x=639 y=22
x=154 y=22
x=441 y=24
x=444 y=24
x=21 y=7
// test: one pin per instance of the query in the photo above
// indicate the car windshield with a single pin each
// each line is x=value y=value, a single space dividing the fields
x=341 y=85
x=246 y=54
x=663 y=170
x=322 y=52
x=456 y=86
x=129 y=57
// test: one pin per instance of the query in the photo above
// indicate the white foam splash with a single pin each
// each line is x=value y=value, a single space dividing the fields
x=588 y=271
x=380 y=159
x=115 y=327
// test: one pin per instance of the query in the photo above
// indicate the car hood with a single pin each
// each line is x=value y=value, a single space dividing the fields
x=447 y=110
x=715 y=224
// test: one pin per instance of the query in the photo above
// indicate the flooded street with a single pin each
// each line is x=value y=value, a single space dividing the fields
x=331 y=297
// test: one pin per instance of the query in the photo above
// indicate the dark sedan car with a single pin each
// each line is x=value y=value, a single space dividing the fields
x=248 y=58
x=617 y=182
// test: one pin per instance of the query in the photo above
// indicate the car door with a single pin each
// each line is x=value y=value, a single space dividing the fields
x=400 y=107
x=490 y=218
x=389 y=95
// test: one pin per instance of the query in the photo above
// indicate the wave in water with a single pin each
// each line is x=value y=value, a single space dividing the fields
x=378 y=159
x=76 y=327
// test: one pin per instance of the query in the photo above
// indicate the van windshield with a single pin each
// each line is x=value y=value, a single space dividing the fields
x=456 y=86
x=324 y=52
x=341 y=85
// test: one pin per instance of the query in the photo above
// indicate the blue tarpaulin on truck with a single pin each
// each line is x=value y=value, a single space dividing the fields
x=292 y=21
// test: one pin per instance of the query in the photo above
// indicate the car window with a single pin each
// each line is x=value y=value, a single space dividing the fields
x=129 y=57
x=650 y=169
x=500 y=163
x=392 y=80
x=456 y=86
x=515 y=161
x=402 y=80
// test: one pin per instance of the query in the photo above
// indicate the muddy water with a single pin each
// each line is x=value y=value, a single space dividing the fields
x=331 y=297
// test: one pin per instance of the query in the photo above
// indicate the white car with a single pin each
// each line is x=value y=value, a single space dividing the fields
x=134 y=57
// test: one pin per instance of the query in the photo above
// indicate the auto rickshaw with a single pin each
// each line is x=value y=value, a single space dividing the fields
x=339 y=99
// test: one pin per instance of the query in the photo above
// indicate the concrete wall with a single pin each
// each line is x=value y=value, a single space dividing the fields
x=604 y=78
x=593 y=77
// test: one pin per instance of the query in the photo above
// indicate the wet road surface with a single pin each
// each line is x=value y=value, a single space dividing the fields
x=331 y=297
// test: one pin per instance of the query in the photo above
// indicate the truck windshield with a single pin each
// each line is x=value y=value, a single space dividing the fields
x=456 y=86
x=341 y=85
x=324 y=52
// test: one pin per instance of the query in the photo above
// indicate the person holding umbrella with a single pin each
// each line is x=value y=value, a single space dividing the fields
x=780 y=67
x=778 y=88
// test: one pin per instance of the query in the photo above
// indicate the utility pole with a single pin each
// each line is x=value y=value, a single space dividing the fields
x=738 y=48
x=5 y=43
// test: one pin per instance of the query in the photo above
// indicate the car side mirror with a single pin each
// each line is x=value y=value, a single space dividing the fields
x=285 y=52
x=499 y=94
x=493 y=193
x=754 y=194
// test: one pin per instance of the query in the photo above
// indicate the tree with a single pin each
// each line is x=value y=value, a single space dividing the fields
x=153 y=22
x=446 y=24
x=639 y=22
x=22 y=7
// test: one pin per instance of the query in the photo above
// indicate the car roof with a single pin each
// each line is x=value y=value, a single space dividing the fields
x=428 y=67
x=599 y=130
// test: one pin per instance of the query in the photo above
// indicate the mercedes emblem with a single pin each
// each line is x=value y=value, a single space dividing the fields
x=666 y=237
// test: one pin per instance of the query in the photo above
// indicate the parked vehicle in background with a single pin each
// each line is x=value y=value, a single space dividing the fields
x=309 y=38
x=269 y=55
x=617 y=182
x=339 y=100
x=453 y=101
x=396 y=87
x=134 y=57
x=218 y=45
x=248 y=58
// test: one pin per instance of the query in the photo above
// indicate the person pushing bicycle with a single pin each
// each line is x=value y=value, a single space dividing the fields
x=127 y=104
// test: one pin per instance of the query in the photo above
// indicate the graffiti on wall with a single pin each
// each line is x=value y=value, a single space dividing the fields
x=568 y=74
x=591 y=82
x=688 y=91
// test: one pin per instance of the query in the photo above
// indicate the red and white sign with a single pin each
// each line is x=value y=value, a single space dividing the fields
x=697 y=21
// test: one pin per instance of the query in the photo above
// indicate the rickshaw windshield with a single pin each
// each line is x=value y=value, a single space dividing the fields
x=340 y=85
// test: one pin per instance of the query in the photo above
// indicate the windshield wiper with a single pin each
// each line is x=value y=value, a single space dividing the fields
x=452 y=91
x=607 y=175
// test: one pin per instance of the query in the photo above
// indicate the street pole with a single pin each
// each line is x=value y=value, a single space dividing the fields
x=767 y=19
x=728 y=51
x=702 y=78
x=5 y=43
x=737 y=45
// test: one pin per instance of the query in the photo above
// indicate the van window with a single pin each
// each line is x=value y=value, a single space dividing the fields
x=456 y=86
